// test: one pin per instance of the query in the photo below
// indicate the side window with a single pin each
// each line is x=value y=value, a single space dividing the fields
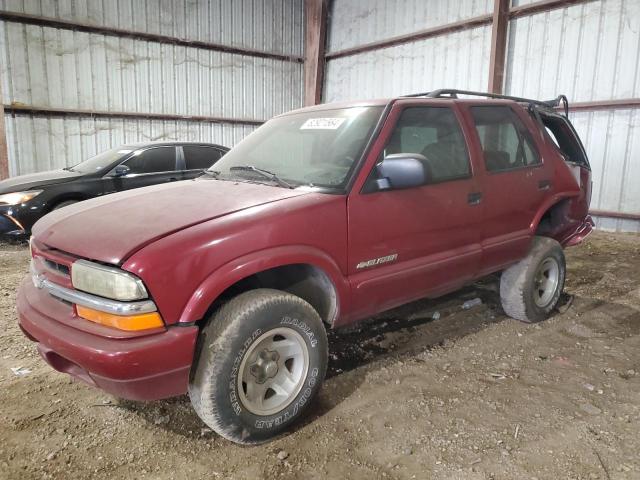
x=506 y=143
x=159 y=159
x=199 y=158
x=565 y=138
x=435 y=133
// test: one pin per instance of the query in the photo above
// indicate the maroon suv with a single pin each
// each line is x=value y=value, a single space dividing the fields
x=223 y=286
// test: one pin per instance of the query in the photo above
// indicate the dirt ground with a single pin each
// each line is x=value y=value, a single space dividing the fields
x=469 y=395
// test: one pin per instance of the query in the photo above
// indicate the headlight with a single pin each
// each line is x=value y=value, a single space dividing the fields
x=17 y=198
x=106 y=282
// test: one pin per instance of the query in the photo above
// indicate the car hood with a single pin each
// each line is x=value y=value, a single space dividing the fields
x=35 y=180
x=111 y=228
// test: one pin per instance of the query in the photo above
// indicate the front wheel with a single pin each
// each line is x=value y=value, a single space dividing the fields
x=263 y=357
x=531 y=288
x=66 y=203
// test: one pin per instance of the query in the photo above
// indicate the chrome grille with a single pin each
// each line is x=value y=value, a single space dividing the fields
x=57 y=267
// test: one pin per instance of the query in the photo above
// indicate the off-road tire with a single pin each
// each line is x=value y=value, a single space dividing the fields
x=518 y=282
x=223 y=343
x=66 y=203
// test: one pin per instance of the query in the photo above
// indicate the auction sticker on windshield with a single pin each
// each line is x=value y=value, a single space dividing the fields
x=322 y=124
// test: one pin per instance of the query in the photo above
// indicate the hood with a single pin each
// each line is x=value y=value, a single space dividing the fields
x=111 y=228
x=35 y=180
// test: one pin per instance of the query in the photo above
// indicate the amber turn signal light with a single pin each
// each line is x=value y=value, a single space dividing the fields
x=143 y=321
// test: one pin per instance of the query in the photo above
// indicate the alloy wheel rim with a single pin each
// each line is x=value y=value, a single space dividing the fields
x=546 y=282
x=273 y=371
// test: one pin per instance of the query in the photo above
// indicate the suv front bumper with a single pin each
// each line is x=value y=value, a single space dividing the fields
x=150 y=367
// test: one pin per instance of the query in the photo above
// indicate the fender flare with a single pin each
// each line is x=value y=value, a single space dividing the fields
x=549 y=202
x=242 y=267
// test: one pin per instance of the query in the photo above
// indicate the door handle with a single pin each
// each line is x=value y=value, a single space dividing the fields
x=544 y=184
x=474 y=198
x=172 y=179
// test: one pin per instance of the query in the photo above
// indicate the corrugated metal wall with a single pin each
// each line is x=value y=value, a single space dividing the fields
x=273 y=25
x=354 y=23
x=590 y=51
x=59 y=68
x=457 y=60
x=39 y=143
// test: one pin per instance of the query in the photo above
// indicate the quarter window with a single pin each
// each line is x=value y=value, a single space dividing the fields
x=433 y=132
x=153 y=160
x=200 y=158
x=562 y=133
x=506 y=143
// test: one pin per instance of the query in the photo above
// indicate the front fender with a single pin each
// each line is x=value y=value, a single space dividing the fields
x=240 y=268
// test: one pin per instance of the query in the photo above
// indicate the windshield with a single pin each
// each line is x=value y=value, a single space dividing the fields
x=100 y=161
x=318 y=148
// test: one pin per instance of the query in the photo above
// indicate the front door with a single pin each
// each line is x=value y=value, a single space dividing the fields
x=417 y=242
x=147 y=167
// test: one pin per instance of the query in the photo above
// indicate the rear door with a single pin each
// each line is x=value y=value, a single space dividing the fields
x=411 y=243
x=149 y=167
x=514 y=183
x=198 y=158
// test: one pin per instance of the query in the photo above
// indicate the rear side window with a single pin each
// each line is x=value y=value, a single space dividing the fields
x=153 y=160
x=564 y=138
x=200 y=158
x=435 y=133
x=506 y=142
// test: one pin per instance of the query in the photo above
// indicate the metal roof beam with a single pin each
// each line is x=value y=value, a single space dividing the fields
x=314 y=63
x=151 y=37
x=499 y=25
x=48 y=111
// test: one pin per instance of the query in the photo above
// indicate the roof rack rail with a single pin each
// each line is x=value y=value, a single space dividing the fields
x=453 y=93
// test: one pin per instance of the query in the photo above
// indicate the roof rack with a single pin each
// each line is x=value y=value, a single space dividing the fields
x=453 y=93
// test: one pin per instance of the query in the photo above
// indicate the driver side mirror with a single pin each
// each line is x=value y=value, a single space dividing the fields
x=121 y=171
x=402 y=170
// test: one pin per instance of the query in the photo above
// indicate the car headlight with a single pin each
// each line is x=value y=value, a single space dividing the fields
x=17 y=198
x=106 y=282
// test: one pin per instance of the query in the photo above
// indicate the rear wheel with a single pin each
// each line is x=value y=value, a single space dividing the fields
x=530 y=289
x=263 y=357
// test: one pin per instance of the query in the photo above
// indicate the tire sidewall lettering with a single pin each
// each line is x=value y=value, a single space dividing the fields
x=303 y=327
x=233 y=394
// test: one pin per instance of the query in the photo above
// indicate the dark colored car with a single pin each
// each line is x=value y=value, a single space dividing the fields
x=224 y=286
x=24 y=199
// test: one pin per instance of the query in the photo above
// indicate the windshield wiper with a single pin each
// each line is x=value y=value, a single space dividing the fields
x=69 y=169
x=265 y=173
